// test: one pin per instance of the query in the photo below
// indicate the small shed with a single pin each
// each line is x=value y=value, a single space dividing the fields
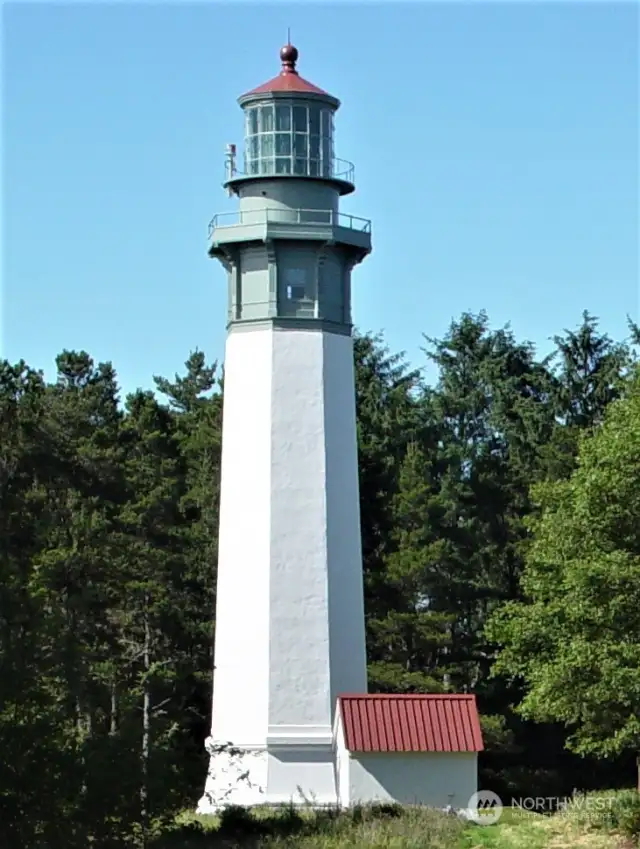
x=415 y=749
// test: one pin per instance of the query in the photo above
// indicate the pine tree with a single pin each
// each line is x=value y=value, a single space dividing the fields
x=589 y=372
x=411 y=640
x=196 y=399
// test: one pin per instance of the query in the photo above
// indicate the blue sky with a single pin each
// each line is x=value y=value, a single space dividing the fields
x=496 y=151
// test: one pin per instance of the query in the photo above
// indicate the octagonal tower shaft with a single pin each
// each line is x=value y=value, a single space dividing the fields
x=289 y=618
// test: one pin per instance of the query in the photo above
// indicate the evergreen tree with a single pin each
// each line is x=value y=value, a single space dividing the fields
x=196 y=399
x=411 y=638
x=589 y=372
x=493 y=408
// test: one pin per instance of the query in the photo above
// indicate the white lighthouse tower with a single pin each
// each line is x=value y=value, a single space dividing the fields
x=289 y=627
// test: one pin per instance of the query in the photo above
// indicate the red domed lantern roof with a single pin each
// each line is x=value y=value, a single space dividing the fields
x=288 y=80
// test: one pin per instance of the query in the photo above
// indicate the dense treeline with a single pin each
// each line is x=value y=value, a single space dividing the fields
x=470 y=496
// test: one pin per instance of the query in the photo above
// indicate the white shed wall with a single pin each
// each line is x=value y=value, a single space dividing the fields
x=436 y=779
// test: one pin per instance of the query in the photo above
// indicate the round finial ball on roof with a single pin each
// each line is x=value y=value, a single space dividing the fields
x=288 y=54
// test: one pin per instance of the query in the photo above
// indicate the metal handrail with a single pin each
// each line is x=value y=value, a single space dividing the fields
x=336 y=169
x=312 y=217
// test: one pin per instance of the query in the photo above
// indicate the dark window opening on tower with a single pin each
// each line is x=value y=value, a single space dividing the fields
x=296 y=289
x=296 y=293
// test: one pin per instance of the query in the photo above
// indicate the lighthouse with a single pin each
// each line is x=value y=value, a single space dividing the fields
x=289 y=624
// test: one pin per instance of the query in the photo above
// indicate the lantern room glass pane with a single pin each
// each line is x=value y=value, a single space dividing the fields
x=283 y=144
x=300 y=119
x=252 y=121
x=283 y=118
x=267 y=165
x=314 y=147
x=266 y=146
x=283 y=165
x=327 y=128
x=266 y=119
x=314 y=121
x=300 y=145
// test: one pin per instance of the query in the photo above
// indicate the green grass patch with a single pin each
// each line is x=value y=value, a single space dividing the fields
x=397 y=827
x=371 y=827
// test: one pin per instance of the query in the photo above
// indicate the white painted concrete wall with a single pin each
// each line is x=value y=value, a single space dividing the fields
x=299 y=689
x=241 y=653
x=301 y=775
x=317 y=641
x=348 y=660
x=437 y=779
x=289 y=618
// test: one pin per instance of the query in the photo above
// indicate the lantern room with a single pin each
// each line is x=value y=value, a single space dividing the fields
x=289 y=131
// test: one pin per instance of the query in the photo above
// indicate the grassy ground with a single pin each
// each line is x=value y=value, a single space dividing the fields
x=389 y=827
x=540 y=832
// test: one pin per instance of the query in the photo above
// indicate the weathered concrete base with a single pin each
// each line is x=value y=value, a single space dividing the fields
x=298 y=775
x=236 y=777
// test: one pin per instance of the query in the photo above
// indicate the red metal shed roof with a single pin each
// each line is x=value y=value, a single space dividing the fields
x=288 y=80
x=415 y=723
